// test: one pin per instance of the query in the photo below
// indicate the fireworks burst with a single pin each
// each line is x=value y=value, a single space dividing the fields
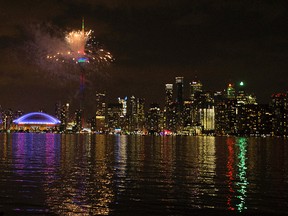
x=81 y=48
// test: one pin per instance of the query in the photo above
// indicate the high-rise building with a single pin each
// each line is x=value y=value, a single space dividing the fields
x=179 y=92
x=141 y=113
x=226 y=116
x=279 y=105
x=123 y=101
x=170 y=117
x=64 y=117
x=242 y=96
x=230 y=92
x=100 y=104
x=100 y=125
x=195 y=87
x=154 y=116
x=168 y=94
x=207 y=118
x=113 y=117
x=135 y=114
x=78 y=121
x=254 y=119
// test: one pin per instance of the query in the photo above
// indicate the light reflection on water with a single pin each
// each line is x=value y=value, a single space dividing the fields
x=78 y=174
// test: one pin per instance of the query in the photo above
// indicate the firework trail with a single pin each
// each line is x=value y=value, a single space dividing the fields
x=81 y=48
x=64 y=55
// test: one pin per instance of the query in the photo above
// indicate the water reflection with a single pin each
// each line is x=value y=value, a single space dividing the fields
x=242 y=183
x=84 y=183
x=76 y=174
x=237 y=173
x=230 y=172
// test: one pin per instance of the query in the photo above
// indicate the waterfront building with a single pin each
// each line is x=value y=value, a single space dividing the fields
x=154 y=124
x=279 y=105
x=179 y=93
x=123 y=102
x=188 y=127
x=100 y=113
x=254 y=119
x=140 y=114
x=226 y=116
x=136 y=114
x=195 y=87
x=62 y=113
x=170 y=117
x=114 y=117
x=230 y=92
x=242 y=96
x=35 y=122
x=78 y=120
x=207 y=118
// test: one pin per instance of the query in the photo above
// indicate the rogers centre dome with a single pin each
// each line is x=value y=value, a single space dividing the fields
x=37 y=119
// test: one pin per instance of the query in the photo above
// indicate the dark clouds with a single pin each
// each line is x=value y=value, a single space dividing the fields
x=154 y=41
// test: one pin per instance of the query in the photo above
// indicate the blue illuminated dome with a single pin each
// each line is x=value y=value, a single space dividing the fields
x=36 y=118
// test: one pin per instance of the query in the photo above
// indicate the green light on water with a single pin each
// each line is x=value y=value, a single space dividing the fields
x=242 y=182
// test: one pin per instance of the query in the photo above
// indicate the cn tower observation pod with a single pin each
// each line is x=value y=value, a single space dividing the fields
x=35 y=120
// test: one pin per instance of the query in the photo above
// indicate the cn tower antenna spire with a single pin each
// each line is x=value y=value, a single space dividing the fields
x=83 y=28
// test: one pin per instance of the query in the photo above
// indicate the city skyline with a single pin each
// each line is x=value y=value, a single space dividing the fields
x=152 y=43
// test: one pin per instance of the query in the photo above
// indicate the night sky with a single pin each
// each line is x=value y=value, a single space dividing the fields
x=152 y=43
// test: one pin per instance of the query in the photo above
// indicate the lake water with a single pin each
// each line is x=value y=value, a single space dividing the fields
x=82 y=174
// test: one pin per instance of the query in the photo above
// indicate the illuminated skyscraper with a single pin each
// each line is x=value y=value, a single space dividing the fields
x=123 y=101
x=195 y=87
x=243 y=97
x=279 y=106
x=100 y=104
x=168 y=94
x=179 y=103
x=230 y=93
x=169 y=109
x=136 y=114
x=179 y=92
x=113 y=117
x=154 y=116
x=100 y=112
x=78 y=121
x=62 y=113
x=207 y=118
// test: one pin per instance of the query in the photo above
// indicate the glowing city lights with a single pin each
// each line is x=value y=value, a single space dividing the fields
x=36 y=118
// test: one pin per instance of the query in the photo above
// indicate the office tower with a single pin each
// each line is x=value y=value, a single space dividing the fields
x=187 y=117
x=100 y=103
x=179 y=103
x=114 y=117
x=242 y=96
x=207 y=118
x=62 y=113
x=195 y=88
x=179 y=92
x=154 y=116
x=135 y=114
x=168 y=94
x=141 y=114
x=64 y=116
x=100 y=112
x=226 y=116
x=254 y=119
x=169 y=109
x=279 y=105
x=230 y=92
x=123 y=101
x=132 y=114
x=78 y=121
